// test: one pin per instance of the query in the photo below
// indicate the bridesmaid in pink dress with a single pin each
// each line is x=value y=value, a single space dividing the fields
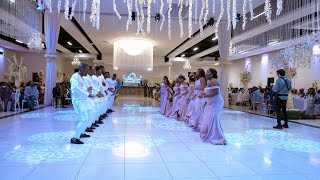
x=175 y=107
x=211 y=130
x=195 y=119
x=190 y=99
x=165 y=107
x=162 y=90
x=182 y=99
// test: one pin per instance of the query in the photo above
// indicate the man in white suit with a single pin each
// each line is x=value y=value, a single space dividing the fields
x=80 y=94
x=112 y=84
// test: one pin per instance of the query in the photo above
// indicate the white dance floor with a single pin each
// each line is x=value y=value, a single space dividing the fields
x=137 y=143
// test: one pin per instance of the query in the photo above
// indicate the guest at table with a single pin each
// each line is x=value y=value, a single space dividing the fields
x=255 y=98
x=31 y=94
x=269 y=96
x=315 y=106
x=282 y=88
x=301 y=92
x=58 y=93
x=6 y=95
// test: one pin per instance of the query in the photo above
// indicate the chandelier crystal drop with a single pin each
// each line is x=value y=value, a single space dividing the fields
x=187 y=65
x=75 y=61
x=35 y=42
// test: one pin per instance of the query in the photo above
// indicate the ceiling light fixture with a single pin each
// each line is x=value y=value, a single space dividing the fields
x=157 y=18
x=183 y=55
x=19 y=41
x=69 y=43
x=258 y=15
x=133 y=47
x=80 y=51
x=211 y=22
x=273 y=42
x=149 y=69
x=196 y=48
x=75 y=61
x=187 y=65
x=216 y=64
x=215 y=38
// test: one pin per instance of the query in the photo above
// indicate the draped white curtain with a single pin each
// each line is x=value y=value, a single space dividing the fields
x=224 y=45
x=52 y=28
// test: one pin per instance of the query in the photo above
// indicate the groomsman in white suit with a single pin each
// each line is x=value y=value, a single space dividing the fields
x=112 y=84
x=99 y=85
x=80 y=95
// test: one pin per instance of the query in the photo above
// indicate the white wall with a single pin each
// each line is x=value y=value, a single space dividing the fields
x=261 y=69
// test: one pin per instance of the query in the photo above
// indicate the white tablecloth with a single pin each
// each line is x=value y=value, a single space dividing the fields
x=238 y=98
x=301 y=103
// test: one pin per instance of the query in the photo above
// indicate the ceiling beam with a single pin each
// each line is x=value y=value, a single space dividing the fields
x=205 y=52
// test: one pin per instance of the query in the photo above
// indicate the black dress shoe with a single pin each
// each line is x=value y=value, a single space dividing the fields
x=84 y=136
x=277 y=127
x=99 y=122
x=285 y=126
x=11 y=110
x=95 y=125
x=92 y=127
x=88 y=130
x=75 y=141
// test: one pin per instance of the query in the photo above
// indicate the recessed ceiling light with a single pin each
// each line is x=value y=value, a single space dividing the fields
x=19 y=41
x=216 y=64
x=149 y=69
x=196 y=48
x=69 y=43
x=80 y=51
x=183 y=55
x=13 y=1
x=215 y=38
x=259 y=15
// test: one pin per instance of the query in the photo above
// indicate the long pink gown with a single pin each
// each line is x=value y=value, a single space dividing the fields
x=190 y=107
x=183 y=102
x=162 y=90
x=211 y=130
x=175 y=106
x=195 y=118
x=165 y=106
x=168 y=112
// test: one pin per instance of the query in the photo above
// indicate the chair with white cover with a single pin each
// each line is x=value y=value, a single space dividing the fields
x=36 y=103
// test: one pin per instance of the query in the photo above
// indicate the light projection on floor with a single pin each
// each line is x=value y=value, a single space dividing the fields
x=34 y=115
x=277 y=139
x=51 y=137
x=227 y=111
x=68 y=115
x=131 y=150
x=132 y=78
x=172 y=125
x=134 y=108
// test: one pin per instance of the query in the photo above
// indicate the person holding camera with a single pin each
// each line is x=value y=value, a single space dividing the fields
x=281 y=89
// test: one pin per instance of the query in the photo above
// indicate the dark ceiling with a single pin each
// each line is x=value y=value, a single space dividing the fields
x=65 y=37
x=202 y=46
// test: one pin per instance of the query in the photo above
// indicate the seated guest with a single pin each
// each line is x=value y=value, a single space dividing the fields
x=311 y=92
x=301 y=92
x=6 y=95
x=315 y=106
x=31 y=94
x=57 y=93
x=255 y=97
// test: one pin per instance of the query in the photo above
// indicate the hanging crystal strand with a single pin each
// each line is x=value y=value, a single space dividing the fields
x=115 y=10
x=162 y=15
x=141 y=3
x=138 y=17
x=84 y=10
x=169 y=18
x=279 y=6
x=213 y=7
x=228 y=13
x=244 y=15
x=180 y=18
x=200 y=18
x=73 y=7
x=207 y=12
x=318 y=18
x=190 y=18
x=129 y=20
x=196 y=11
x=268 y=10
x=59 y=5
x=234 y=14
x=219 y=18
x=93 y=13
x=66 y=9
x=251 y=10
x=98 y=15
x=149 y=16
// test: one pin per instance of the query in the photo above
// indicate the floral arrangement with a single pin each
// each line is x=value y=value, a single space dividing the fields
x=292 y=72
x=260 y=84
x=245 y=77
x=41 y=74
x=7 y=76
x=15 y=67
x=315 y=85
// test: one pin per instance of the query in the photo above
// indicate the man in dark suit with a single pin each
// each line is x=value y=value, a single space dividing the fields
x=58 y=94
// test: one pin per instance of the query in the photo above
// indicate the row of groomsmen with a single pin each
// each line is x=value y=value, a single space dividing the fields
x=92 y=94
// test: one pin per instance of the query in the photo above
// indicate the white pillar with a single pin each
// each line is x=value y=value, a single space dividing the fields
x=52 y=28
x=224 y=45
x=169 y=72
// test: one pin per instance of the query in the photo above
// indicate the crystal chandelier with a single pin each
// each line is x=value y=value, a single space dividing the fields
x=75 y=61
x=35 y=42
x=133 y=47
x=187 y=65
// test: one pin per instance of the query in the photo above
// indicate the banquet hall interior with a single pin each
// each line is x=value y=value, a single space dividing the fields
x=149 y=52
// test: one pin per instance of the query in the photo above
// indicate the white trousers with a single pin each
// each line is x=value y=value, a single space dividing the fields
x=83 y=116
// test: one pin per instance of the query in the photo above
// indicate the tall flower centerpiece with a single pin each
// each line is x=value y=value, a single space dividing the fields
x=40 y=75
x=17 y=71
x=316 y=85
x=245 y=78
